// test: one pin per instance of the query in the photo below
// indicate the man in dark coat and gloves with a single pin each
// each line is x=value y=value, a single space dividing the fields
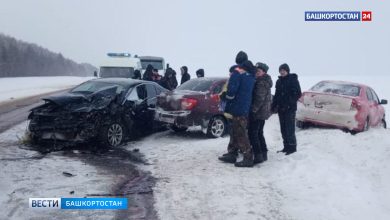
x=288 y=91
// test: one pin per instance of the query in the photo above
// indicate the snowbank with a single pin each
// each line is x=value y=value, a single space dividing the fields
x=20 y=87
x=334 y=175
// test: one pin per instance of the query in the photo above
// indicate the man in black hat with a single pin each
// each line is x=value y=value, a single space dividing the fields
x=287 y=93
x=239 y=98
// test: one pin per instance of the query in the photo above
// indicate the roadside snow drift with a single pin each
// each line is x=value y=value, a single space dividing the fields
x=334 y=175
x=21 y=87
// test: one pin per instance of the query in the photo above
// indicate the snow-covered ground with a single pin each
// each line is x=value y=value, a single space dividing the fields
x=20 y=87
x=334 y=175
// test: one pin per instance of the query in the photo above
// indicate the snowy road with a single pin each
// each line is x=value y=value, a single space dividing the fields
x=334 y=175
x=26 y=173
x=15 y=112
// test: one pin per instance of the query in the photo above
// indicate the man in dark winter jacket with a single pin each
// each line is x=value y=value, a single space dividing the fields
x=137 y=74
x=148 y=74
x=287 y=93
x=185 y=76
x=168 y=81
x=260 y=111
x=239 y=98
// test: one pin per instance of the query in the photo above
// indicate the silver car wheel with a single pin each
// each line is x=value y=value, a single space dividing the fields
x=115 y=135
x=217 y=127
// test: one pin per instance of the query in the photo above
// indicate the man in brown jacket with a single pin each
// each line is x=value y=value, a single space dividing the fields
x=260 y=111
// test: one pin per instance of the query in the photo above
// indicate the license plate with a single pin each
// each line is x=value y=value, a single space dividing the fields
x=53 y=135
x=167 y=119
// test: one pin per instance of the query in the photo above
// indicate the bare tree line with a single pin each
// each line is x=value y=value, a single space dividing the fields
x=18 y=58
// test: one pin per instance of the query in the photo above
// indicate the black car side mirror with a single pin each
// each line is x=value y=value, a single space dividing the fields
x=383 y=102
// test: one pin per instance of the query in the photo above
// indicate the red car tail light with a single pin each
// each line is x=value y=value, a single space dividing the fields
x=215 y=98
x=355 y=105
x=188 y=103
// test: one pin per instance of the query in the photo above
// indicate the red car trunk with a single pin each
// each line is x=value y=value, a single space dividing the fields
x=181 y=100
x=195 y=103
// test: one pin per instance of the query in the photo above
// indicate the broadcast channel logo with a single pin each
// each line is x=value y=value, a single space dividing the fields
x=78 y=203
x=45 y=203
x=338 y=16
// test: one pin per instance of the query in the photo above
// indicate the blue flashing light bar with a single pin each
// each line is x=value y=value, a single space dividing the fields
x=119 y=54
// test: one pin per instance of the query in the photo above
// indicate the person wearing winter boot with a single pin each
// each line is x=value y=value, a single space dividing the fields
x=260 y=111
x=239 y=98
x=287 y=93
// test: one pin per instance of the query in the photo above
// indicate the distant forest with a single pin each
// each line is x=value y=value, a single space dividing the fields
x=18 y=58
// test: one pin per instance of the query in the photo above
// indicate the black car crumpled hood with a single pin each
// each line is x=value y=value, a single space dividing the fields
x=77 y=102
x=66 y=99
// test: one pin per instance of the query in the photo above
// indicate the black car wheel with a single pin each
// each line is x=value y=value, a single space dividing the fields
x=301 y=124
x=113 y=134
x=384 y=124
x=216 y=127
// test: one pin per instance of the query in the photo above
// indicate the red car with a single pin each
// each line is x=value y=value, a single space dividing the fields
x=346 y=105
x=194 y=103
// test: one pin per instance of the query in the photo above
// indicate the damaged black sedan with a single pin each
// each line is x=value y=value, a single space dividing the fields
x=104 y=111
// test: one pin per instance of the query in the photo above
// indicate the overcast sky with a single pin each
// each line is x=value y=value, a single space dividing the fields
x=208 y=34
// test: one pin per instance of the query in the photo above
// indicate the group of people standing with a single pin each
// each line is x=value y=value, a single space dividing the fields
x=169 y=80
x=249 y=102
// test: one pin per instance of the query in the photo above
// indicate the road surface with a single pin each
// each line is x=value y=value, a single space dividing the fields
x=16 y=111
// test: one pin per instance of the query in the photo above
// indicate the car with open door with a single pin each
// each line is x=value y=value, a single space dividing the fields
x=194 y=103
x=350 y=106
x=106 y=111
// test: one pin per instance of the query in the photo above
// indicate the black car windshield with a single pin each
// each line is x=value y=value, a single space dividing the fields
x=93 y=86
x=337 y=88
x=200 y=85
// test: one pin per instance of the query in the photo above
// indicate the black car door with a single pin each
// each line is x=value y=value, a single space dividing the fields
x=144 y=99
x=136 y=103
x=141 y=106
x=151 y=96
x=151 y=102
